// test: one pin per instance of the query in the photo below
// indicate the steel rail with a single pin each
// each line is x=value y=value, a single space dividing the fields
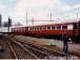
x=33 y=48
x=30 y=42
x=46 y=48
x=39 y=46
x=12 y=50
x=22 y=46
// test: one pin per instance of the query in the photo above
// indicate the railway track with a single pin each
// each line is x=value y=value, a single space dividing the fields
x=36 y=51
x=45 y=49
x=20 y=52
x=40 y=47
x=28 y=50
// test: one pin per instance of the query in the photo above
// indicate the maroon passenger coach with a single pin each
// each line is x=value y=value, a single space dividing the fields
x=72 y=30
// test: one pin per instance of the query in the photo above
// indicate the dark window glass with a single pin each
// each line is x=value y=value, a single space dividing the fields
x=44 y=28
x=58 y=27
x=37 y=28
x=53 y=27
x=27 y=28
x=64 y=27
x=40 y=28
x=48 y=27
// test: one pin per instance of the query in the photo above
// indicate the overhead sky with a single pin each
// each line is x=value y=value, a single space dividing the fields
x=39 y=9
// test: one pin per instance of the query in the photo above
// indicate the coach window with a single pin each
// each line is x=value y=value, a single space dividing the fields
x=64 y=27
x=37 y=28
x=40 y=28
x=48 y=27
x=53 y=27
x=26 y=28
x=44 y=28
x=32 y=28
x=58 y=27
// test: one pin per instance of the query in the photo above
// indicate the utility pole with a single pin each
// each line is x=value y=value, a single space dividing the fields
x=0 y=20
x=77 y=20
x=0 y=23
x=32 y=21
x=9 y=23
x=77 y=13
x=50 y=15
x=26 y=18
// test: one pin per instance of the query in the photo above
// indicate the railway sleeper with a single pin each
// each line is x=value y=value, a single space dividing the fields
x=36 y=52
x=45 y=49
x=25 y=49
x=48 y=50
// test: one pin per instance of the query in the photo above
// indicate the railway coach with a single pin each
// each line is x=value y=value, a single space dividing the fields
x=72 y=30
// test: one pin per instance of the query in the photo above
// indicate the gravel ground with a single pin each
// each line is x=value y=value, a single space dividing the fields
x=5 y=52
